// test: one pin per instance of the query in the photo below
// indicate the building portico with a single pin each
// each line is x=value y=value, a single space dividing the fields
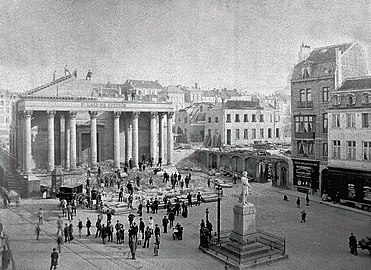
x=71 y=131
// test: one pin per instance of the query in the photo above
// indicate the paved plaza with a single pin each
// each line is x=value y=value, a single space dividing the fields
x=320 y=243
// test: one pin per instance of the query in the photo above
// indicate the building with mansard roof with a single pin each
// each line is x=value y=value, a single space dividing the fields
x=318 y=73
x=349 y=137
x=71 y=122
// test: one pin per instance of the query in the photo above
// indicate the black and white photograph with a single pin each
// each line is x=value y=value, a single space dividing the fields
x=185 y=134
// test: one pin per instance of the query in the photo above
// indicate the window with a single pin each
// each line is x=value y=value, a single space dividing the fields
x=228 y=118
x=306 y=72
x=366 y=119
x=271 y=118
x=366 y=150
x=253 y=135
x=237 y=118
x=245 y=118
x=304 y=124
x=351 y=120
x=269 y=133
x=335 y=100
x=325 y=149
x=305 y=147
x=336 y=149
x=253 y=118
x=277 y=132
x=209 y=119
x=237 y=134
x=261 y=118
x=262 y=133
x=366 y=98
x=336 y=120
x=325 y=94
x=305 y=95
x=325 y=123
x=351 y=150
x=216 y=120
x=245 y=134
x=351 y=100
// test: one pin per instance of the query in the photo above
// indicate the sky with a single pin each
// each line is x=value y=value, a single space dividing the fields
x=245 y=44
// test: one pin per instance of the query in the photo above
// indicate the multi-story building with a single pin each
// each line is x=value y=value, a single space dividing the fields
x=190 y=123
x=349 y=137
x=143 y=90
x=192 y=94
x=236 y=122
x=314 y=78
x=7 y=99
x=173 y=94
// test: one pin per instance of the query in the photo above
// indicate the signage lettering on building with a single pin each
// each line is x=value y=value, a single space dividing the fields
x=103 y=105
x=306 y=173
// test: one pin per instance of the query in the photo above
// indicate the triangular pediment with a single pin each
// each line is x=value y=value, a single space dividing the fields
x=67 y=86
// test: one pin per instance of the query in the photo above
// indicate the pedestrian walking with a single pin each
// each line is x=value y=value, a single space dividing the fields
x=41 y=216
x=110 y=232
x=70 y=230
x=88 y=226
x=303 y=216
x=156 y=247
x=151 y=223
x=157 y=233
x=59 y=242
x=298 y=202
x=165 y=221
x=171 y=218
x=80 y=226
x=60 y=224
x=54 y=260
x=147 y=237
x=199 y=197
x=140 y=209
x=98 y=225
x=142 y=226
x=69 y=211
x=131 y=217
x=307 y=199
x=66 y=233
x=103 y=233
x=353 y=244
x=5 y=258
x=189 y=198
x=38 y=231
x=133 y=247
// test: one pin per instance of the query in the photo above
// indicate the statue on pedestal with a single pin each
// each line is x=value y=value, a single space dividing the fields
x=245 y=188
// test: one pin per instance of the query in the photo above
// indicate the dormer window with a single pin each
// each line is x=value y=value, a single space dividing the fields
x=335 y=100
x=351 y=100
x=306 y=72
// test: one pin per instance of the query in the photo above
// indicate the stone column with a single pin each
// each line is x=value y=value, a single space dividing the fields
x=170 y=138
x=51 y=159
x=27 y=142
x=20 y=141
x=129 y=138
x=135 y=139
x=62 y=131
x=116 y=140
x=93 y=140
x=161 y=137
x=153 y=136
x=73 y=147
x=68 y=143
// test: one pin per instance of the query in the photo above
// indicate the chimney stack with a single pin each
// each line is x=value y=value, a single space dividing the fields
x=339 y=69
x=196 y=85
x=303 y=52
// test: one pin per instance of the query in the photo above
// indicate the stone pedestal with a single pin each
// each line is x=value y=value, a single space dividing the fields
x=244 y=230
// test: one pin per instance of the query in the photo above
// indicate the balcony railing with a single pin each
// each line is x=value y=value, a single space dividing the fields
x=305 y=104
x=308 y=135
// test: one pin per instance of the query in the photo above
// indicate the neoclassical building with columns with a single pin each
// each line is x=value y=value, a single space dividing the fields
x=71 y=122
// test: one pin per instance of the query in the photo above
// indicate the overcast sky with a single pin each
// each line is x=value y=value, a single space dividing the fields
x=244 y=44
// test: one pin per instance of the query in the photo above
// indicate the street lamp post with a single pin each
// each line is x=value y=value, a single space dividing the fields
x=207 y=215
x=219 y=190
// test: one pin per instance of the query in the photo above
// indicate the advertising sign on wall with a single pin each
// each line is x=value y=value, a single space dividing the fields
x=306 y=173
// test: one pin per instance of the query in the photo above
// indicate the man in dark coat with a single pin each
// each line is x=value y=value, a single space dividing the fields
x=157 y=233
x=54 y=259
x=103 y=233
x=353 y=244
x=189 y=198
x=66 y=233
x=88 y=225
x=98 y=225
x=142 y=227
x=171 y=218
x=165 y=221
x=131 y=217
x=147 y=237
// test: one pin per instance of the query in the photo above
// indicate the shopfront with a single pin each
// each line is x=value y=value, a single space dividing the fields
x=306 y=175
x=353 y=185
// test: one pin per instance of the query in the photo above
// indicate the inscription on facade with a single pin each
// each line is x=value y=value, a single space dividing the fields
x=103 y=105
